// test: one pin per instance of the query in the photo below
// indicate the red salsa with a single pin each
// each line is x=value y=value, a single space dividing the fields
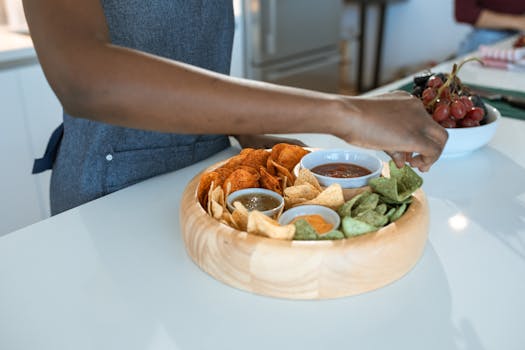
x=341 y=170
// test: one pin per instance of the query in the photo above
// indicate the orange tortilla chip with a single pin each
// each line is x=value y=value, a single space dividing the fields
x=239 y=179
x=290 y=156
x=204 y=186
x=223 y=174
x=283 y=173
x=235 y=161
x=269 y=181
x=257 y=158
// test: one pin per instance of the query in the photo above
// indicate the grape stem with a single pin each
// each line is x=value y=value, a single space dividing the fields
x=451 y=78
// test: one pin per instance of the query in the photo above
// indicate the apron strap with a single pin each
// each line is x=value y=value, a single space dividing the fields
x=46 y=162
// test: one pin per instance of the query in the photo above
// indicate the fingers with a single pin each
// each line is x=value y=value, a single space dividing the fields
x=428 y=156
x=428 y=150
x=437 y=137
x=399 y=158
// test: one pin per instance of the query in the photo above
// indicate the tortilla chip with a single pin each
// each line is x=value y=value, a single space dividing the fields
x=398 y=212
x=305 y=191
x=227 y=219
x=304 y=231
x=240 y=216
x=282 y=172
x=217 y=203
x=306 y=176
x=204 y=186
x=399 y=186
x=256 y=158
x=208 y=199
x=236 y=161
x=241 y=178
x=270 y=181
x=353 y=227
x=262 y=225
x=332 y=235
x=368 y=201
x=290 y=202
x=290 y=155
x=346 y=208
x=373 y=218
x=331 y=197
x=381 y=209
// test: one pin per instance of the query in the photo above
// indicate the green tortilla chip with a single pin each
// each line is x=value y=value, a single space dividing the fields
x=398 y=212
x=346 y=209
x=334 y=234
x=373 y=218
x=365 y=203
x=385 y=186
x=390 y=212
x=399 y=186
x=304 y=231
x=381 y=208
x=408 y=181
x=353 y=227
x=383 y=199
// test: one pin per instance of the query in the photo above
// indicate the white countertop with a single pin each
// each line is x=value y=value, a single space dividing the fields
x=114 y=274
x=15 y=47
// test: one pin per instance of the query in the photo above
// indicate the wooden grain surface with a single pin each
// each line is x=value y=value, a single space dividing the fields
x=303 y=269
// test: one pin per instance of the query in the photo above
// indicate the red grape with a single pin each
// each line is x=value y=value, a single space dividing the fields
x=458 y=109
x=468 y=122
x=476 y=113
x=441 y=112
x=434 y=82
x=445 y=94
x=467 y=102
x=428 y=95
x=448 y=123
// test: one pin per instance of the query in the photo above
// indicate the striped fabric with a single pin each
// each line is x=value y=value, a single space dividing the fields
x=510 y=59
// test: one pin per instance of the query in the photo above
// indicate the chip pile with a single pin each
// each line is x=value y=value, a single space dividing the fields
x=383 y=201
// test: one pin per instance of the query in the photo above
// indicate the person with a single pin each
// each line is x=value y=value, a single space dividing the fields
x=492 y=21
x=145 y=90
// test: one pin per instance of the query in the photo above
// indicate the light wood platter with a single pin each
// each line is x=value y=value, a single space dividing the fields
x=303 y=269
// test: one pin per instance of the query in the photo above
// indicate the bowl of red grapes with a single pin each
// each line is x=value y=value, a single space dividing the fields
x=469 y=121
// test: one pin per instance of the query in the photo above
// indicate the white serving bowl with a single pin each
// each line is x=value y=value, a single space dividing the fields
x=462 y=141
x=328 y=214
x=325 y=156
x=232 y=197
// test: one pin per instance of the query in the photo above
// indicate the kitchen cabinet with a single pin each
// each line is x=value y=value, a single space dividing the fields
x=29 y=112
x=43 y=114
x=20 y=200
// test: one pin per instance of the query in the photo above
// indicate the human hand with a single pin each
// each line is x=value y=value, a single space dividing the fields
x=264 y=141
x=397 y=123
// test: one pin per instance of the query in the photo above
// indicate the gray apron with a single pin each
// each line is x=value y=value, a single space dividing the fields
x=94 y=158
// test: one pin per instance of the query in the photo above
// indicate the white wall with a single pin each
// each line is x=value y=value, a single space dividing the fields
x=416 y=31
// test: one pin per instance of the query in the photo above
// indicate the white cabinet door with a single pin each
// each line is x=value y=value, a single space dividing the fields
x=43 y=114
x=19 y=200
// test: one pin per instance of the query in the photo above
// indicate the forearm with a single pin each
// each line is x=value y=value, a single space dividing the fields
x=129 y=88
x=496 y=20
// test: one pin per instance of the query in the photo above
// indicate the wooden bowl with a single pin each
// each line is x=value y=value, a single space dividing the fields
x=303 y=269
